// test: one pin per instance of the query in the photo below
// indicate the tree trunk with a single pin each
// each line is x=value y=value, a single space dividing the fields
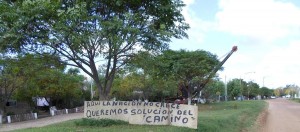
x=101 y=91
x=102 y=96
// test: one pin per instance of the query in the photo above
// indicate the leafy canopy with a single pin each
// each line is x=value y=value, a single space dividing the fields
x=86 y=32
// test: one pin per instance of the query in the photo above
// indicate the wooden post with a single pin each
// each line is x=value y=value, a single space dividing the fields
x=35 y=115
x=8 y=119
x=51 y=112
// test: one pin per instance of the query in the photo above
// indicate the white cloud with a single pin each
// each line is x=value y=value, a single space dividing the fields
x=188 y=2
x=268 y=25
x=271 y=22
x=281 y=65
x=259 y=19
x=198 y=26
x=277 y=67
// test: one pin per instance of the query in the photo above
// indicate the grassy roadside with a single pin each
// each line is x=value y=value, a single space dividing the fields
x=295 y=100
x=232 y=116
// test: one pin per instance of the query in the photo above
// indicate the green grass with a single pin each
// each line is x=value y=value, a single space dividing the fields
x=230 y=116
x=295 y=100
x=233 y=116
x=99 y=123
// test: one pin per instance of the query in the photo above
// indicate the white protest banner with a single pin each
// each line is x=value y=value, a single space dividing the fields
x=151 y=113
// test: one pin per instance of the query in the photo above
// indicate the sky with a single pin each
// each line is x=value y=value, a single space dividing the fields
x=266 y=32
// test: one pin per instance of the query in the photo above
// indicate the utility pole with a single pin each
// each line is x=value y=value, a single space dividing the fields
x=241 y=90
x=264 y=81
x=225 y=89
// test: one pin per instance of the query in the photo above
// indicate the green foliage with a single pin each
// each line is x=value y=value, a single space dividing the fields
x=189 y=68
x=35 y=111
x=234 y=88
x=278 y=92
x=81 y=32
x=17 y=73
x=185 y=65
x=154 y=89
x=213 y=89
x=10 y=78
x=251 y=90
x=161 y=74
x=31 y=75
x=266 y=92
x=238 y=87
x=140 y=75
x=10 y=113
x=123 y=87
x=99 y=122
x=291 y=89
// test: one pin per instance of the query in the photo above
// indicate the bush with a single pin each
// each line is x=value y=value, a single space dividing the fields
x=10 y=113
x=99 y=122
x=35 y=111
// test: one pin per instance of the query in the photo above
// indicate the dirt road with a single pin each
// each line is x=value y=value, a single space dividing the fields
x=282 y=116
x=39 y=122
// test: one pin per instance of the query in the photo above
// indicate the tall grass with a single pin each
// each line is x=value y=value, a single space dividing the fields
x=232 y=116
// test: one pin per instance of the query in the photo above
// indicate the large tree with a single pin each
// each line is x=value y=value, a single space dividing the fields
x=86 y=32
x=251 y=89
x=63 y=89
x=18 y=73
x=214 y=90
x=236 y=87
x=291 y=89
x=141 y=74
x=279 y=92
x=266 y=92
x=10 y=80
x=189 y=68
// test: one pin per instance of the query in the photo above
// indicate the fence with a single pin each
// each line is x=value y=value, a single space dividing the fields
x=33 y=116
x=18 y=118
x=54 y=111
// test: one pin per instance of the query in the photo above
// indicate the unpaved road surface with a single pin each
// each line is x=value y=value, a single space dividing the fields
x=282 y=116
x=40 y=122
